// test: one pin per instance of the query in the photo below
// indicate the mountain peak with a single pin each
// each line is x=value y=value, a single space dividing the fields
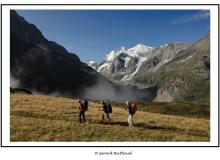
x=114 y=53
x=141 y=48
x=137 y=51
x=92 y=64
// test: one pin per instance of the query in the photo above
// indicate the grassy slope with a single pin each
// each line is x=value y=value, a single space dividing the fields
x=47 y=118
x=190 y=110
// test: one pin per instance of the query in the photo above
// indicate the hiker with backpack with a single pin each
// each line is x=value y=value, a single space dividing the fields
x=107 y=109
x=132 y=108
x=82 y=109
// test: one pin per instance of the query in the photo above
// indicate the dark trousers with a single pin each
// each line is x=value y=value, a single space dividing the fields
x=82 y=116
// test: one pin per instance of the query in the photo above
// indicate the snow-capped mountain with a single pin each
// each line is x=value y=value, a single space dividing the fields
x=122 y=61
x=139 y=51
x=122 y=64
x=92 y=64
x=180 y=72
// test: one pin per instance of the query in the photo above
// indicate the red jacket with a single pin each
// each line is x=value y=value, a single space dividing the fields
x=81 y=108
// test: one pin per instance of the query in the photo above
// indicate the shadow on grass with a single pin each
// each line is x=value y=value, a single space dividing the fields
x=154 y=126
x=150 y=125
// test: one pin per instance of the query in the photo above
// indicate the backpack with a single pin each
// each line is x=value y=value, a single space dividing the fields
x=133 y=108
x=85 y=104
x=109 y=108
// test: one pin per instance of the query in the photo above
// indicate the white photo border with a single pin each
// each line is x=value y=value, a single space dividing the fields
x=214 y=85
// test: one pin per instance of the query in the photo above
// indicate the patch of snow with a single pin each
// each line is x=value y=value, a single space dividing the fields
x=91 y=63
x=104 y=66
x=114 y=53
x=129 y=77
x=186 y=59
x=126 y=59
x=142 y=59
x=167 y=60
x=138 y=66
x=111 y=56
x=139 y=50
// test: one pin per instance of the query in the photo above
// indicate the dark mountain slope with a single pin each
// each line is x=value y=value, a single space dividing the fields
x=43 y=65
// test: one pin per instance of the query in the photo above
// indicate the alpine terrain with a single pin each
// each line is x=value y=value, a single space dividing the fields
x=169 y=86
x=43 y=66
x=180 y=71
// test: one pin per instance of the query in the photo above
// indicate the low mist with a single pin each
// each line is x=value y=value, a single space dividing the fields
x=14 y=83
x=103 y=90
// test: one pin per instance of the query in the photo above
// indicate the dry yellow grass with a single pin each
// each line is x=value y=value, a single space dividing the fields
x=48 y=118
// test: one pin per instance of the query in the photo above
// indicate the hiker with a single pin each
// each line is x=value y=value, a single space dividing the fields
x=132 y=108
x=107 y=109
x=82 y=108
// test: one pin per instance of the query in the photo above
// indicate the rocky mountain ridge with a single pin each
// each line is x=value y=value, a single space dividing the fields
x=173 y=65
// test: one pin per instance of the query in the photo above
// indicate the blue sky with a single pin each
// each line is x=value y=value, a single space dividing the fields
x=91 y=34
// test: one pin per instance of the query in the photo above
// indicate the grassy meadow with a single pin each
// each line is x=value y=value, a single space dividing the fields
x=42 y=118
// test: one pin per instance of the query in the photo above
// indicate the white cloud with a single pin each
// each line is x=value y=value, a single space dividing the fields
x=199 y=16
